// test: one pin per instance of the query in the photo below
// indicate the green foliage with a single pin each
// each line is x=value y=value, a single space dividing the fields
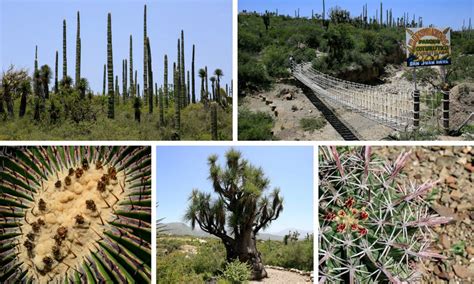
x=276 y=61
x=295 y=254
x=254 y=125
x=236 y=272
x=312 y=123
x=459 y=248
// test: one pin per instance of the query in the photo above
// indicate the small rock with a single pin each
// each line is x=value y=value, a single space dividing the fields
x=273 y=107
x=462 y=160
x=450 y=179
x=456 y=194
x=470 y=250
x=445 y=242
x=469 y=167
x=462 y=271
x=464 y=206
x=288 y=97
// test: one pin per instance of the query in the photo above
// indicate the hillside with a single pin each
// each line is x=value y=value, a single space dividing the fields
x=181 y=229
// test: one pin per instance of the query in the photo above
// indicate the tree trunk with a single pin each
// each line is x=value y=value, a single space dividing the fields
x=245 y=250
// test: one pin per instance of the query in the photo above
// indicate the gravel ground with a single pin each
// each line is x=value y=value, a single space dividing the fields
x=454 y=167
x=282 y=277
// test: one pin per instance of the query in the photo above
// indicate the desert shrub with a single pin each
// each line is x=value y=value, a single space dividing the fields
x=236 y=272
x=209 y=259
x=254 y=125
x=296 y=254
x=312 y=123
x=276 y=60
x=176 y=268
x=253 y=76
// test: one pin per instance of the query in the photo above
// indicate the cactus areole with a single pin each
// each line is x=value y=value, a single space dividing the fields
x=240 y=210
x=374 y=224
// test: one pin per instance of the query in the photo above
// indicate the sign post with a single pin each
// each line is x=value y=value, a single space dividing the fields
x=428 y=47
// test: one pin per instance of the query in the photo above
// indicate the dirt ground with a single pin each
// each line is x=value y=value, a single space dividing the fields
x=282 y=277
x=454 y=168
x=289 y=113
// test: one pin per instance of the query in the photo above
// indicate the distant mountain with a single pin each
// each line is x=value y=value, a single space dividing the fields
x=182 y=229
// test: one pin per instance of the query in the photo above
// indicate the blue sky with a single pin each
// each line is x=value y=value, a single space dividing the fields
x=438 y=12
x=206 y=23
x=180 y=169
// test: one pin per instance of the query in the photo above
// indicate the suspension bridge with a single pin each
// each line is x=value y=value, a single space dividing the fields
x=397 y=108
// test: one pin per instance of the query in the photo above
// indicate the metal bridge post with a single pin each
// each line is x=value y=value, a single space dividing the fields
x=416 y=109
x=446 y=111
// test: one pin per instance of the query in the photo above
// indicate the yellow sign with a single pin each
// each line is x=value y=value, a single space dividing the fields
x=428 y=46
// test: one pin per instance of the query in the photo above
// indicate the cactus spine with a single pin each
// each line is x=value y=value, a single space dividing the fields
x=193 y=87
x=214 y=121
x=373 y=224
x=150 y=77
x=64 y=51
x=78 y=50
x=165 y=82
x=56 y=74
x=110 y=69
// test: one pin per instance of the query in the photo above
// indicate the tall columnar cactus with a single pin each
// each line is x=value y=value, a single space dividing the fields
x=177 y=111
x=177 y=87
x=78 y=50
x=206 y=81
x=183 y=73
x=110 y=69
x=117 y=90
x=64 y=51
x=36 y=58
x=103 y=81
x=132 y=85
x=193 y=82
x=218 y=72
x=214 y=121
x=381 y=13
x=374 y=224
x=145 y=60
x=136 y=89
x=188 y=90
x=156 y=94
x=165 y=82
x=150 y=77
x=124 y=81
x=160 y=103
x=56 y=74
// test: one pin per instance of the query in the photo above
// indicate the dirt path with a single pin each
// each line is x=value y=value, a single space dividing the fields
x=289 y=113
x=278 y=276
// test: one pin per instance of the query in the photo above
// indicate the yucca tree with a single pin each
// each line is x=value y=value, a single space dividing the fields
x=218 y=73
x=82 y=87
x=240 y=210
x=110 y=69
x=64 y=51
x=45 y=72
x=56 y=74
x=202 y=75
x=193 y=83
x=25 y=91
x=78 y=49
x=165 y=82
x=10 y=82
x=106 y=239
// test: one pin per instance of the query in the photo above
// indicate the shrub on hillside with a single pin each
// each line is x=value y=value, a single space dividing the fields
x=254 y=125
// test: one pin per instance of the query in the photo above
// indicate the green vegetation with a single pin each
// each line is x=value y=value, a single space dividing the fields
x=72 y=111
x=254 y=125
x=195 y=260
x=312 y=123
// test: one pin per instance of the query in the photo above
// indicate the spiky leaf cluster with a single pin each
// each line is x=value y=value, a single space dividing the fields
x=121 y=250
x=374 y=224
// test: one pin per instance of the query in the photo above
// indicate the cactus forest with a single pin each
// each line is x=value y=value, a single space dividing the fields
x=75 y=214
x=44 y=104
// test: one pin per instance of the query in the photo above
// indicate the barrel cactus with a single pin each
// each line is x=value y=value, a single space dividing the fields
x=374 y=225
x=75 y=214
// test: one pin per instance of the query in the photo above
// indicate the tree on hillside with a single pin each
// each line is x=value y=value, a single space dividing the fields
x=239 y=212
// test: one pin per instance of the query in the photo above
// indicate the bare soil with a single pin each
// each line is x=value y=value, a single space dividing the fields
x=282 y=277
